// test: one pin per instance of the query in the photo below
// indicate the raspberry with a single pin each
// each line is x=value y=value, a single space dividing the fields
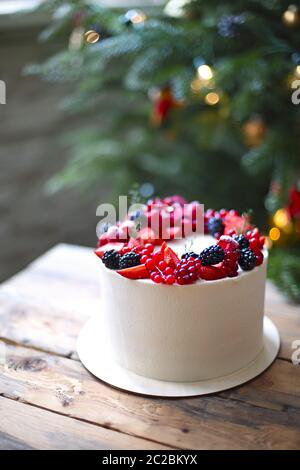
x=129 y=260
x=215 y=226
x=212 y=255
x=111 y=259
x=228 y=243
x=259 y=258
x=247 y=260
x=242 y=241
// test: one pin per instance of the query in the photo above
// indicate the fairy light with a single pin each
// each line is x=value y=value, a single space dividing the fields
x=297 y=71
x=91 y=36
x=212 y=98
x=135 y=16
x=281 y=218
x=274 y=234
x=291 y=16
x=205 y=72
x=196 y=85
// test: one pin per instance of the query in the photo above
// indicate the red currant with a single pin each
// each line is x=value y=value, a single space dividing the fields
x=170 y=279
x=168 y=271
x=162 y=265
x=144 y=258
x=150 y=264
x=149 y=247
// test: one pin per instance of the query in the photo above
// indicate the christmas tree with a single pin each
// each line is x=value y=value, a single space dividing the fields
x=194 y=97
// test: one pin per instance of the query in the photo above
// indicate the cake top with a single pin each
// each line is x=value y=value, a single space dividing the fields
x=160 y=241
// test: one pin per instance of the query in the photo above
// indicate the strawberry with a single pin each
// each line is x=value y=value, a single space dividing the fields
x=238 y=223
x=169 y=255
x=211 y=273
x=136 y=272
x=108 y=246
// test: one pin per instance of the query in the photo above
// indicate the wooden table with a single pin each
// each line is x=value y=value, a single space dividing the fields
x=49 y=401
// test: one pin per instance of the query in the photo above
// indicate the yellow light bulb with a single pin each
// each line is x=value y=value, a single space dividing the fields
x=212 y=98
x=274 y=234
x=281 y=218
x=205 y=72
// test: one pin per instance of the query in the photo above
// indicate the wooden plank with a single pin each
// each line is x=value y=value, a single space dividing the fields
x=27 y=427
x=39 y=308
x=264 y=414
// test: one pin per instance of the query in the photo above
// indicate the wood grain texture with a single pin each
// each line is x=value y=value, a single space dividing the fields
x=27 y=427
x=263 y=414
x=41 y=312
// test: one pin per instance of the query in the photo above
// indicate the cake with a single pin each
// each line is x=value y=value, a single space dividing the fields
x=175 y=313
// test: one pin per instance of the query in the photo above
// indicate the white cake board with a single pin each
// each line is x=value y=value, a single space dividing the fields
x=95 y=357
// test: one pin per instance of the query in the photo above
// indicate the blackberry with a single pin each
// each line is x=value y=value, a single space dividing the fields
x=215 y=226
x=242 y=241
x=111 y=259
x=129 y=260
x=247 y=260
x=212 y=255
x=190 y=254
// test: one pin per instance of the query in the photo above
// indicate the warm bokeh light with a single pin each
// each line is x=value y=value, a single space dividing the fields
x=196 y=85
x=205 y=72
x=91 y=37
x=212 y=98
x=274 y=234
x=291 y=16
x=297 y=71
x=138 y=17
x=281 y=218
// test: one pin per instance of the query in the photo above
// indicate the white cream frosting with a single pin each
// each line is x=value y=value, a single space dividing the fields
x=184 y=333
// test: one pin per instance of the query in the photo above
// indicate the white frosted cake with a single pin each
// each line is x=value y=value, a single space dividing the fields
x=185 y=316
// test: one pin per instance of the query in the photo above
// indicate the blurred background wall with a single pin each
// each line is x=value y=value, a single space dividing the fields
x=31 y=151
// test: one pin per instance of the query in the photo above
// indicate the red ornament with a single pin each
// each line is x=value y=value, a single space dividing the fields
x=163 y=103
x=294 y=203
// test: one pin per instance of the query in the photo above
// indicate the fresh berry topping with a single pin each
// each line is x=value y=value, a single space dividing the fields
x=170 y=279
x=211 y=273
x=212 y=255
x=215 y=226
x=136 y=272
x=247 y=259
x=129 y=260
x=111 y=259
x=228 y=243
x=236 y=223
x=186 y=271
x=107 y=247
x=242 y=241
x=168 y=255
x=190 y=254
x=259 y=258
